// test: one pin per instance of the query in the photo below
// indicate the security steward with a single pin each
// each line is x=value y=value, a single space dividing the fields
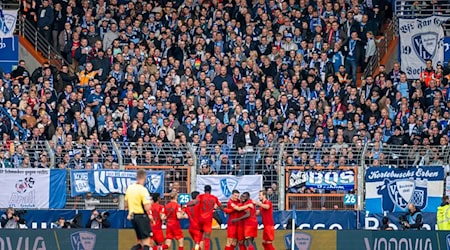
x=443 y=214
x=138 y=202
x=413 y=218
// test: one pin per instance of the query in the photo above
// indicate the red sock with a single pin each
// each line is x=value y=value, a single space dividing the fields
x=265 y=246
x=242 y=247
x=250 y=247
x=165 y=246
x=180 y=248
x=271 y=246
x=155 y=247
x=207 y=242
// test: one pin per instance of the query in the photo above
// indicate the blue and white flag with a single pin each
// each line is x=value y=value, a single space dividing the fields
x=33 y=188
x=8 y=19
x=104 y=182
x=392 y=189
x=223 y=185
x=421 y=39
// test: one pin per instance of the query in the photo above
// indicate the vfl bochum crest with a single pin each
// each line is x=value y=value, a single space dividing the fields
x=227 y=185
x=425 y=45
x=8 y=20
x=153 y=182
x=402 y=192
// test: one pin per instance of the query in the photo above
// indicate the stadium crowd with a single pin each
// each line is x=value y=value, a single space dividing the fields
x=234 y=78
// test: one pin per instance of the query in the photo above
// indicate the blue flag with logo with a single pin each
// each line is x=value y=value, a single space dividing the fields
x=104 y=182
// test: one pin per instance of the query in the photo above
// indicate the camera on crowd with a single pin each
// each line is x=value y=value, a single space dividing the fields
x=103 y=216
x=19 y=213
x=403 y=221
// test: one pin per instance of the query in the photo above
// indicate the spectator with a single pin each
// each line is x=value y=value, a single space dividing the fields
x=11 y=219
x=90 y=202
x=98 y=220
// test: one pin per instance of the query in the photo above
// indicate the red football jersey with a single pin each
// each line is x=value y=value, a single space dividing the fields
x=171 y=210
x=233 y=214
x=157 y=210
x=206 y=206
x=251 y=221
x=190 y=211
x=267 y=214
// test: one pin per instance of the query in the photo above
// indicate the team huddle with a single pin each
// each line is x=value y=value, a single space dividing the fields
x=147 y=215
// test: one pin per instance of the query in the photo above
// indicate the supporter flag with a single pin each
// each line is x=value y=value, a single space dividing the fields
x=8 y=19
x=198 y=62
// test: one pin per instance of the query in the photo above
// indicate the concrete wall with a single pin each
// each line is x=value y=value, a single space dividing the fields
x=30 y=62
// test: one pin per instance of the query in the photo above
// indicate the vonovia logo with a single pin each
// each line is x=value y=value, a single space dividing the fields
x=7 y=23
x=448 y=241
x=425 y=45
x=227 y=185
x=302 y=241
x=83 y=240
x=154 y=182
x=402 y=192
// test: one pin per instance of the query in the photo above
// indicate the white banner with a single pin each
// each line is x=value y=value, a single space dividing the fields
x=30 y=188
x=8 y=19
x=223 y=185
x=421 y=40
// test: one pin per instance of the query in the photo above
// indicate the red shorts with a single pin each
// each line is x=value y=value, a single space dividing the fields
x=268 y=233
x=240 y=232
x=232 y=232
x=196 y=234
x=174 y=233
x=205 y=226
x=158 y=236
x=250 y=231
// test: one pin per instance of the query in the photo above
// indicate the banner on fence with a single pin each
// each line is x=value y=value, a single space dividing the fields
x=304 y=240
x=33 y=188
x=8 y=19
x=408 y=240
x=421 y=40
x=323 y=179
x=392 y=189
x=79 y=239
x=223 y=185
x=104 y=182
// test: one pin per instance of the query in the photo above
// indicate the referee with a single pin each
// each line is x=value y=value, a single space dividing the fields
x=138 y=203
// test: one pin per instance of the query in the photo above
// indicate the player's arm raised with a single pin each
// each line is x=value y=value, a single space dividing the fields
x=242 y=208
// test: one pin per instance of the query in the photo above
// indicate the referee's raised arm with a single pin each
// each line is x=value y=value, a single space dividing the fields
x=138 y=203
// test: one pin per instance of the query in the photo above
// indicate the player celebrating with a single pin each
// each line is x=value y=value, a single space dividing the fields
x=233 y=210
x=207 y=203
x=266 y=211
x=158 y=217
x=138 y=203
x=249 y=220
x=173 y=215
x=194 y=229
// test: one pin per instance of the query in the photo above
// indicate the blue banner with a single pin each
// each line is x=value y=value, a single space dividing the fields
x=58 y=184
x=9 y=49
x=446 y=50
x=336 y=220
x=323 y=179
x=392 y=189
x=104 y=182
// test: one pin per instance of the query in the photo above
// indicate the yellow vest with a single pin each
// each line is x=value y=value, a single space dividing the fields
x=443 y=217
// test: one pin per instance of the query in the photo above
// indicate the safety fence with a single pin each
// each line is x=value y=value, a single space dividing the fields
x=308 y=239
x=309 y=176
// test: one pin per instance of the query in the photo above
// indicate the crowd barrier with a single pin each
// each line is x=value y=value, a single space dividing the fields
x=113 y=239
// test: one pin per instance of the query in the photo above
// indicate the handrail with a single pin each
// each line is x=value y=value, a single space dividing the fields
x=40 y=43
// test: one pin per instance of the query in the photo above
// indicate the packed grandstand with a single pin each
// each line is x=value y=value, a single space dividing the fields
x=210 y=88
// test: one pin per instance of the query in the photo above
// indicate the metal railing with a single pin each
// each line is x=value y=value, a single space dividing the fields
x=40 y=44
x=382 y=48
x=289 y=161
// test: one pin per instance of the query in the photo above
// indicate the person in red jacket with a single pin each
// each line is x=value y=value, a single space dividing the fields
x=428 y=74
x=250 y=221
x=266 y=212
x=158 y=216
x=194 y=228
x=174 y=214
